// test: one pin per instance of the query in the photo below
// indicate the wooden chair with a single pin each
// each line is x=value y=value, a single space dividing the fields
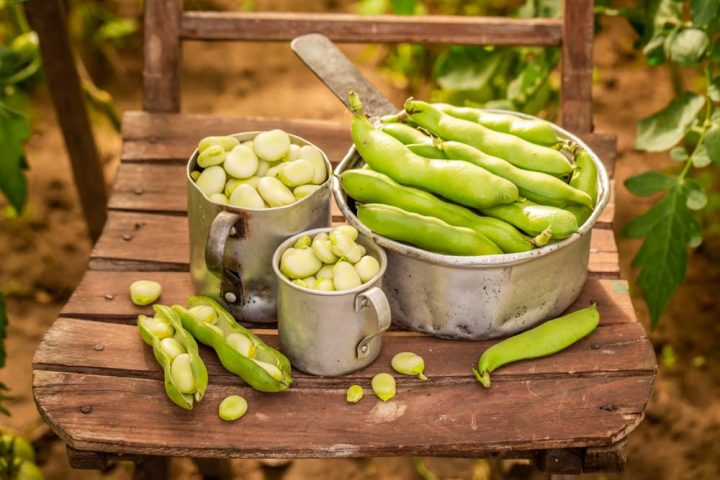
x=97 y=385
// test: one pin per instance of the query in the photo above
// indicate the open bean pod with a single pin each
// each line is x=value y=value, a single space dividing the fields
x=240 y=351
x=176 y=351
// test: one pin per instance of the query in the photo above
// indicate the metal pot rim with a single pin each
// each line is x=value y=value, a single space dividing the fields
x=477 y=261
x=362 y=239
x=250 y=135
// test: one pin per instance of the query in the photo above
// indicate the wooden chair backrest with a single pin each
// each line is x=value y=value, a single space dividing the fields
x=166 y=25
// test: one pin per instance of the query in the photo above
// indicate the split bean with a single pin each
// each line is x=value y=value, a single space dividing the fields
x=271 y=145
x=345 y=247
x=452 y=179
x=272 y=374
x=274 y=192
x=515 y=150
x=241 y=162
x=145 y=292
x=546 y=339
x=296 y=173
x=383 y=385
x=211 y=180
x=369 y=186
x=232 y=408
x=428 y=233
x=214 y=155
x=535 y=219
x=345 y=277
x=409 y=363
x=176 y=351
x=354 y=394
x=226 y=142
x=322 y=248
x=245 y=196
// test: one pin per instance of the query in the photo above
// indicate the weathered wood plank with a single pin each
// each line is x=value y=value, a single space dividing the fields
x=576 y=66
x=47 y=18
x=104 y=296
x=161 y=242
x=339 y=27
x=167 y=137
x=161 y=68
x=160 y=188
x=421 y=420
x=99 y=348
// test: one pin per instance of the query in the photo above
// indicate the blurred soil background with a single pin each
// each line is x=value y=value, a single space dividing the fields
x=44 y=252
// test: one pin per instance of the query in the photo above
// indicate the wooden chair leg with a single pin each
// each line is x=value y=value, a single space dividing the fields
x=152 y=468
x=214 y=468
x=86 y=460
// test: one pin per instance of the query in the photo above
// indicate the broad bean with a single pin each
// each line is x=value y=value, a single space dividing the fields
x=409 y=363
x=211 y=180
x=296 y=173
x=406 y=134
x=242 y=344
x=177 y=353
x=219 y=198
x=204 y=313
x=145 y=292
x=233 y=183
x=456 y=180
x=241 y=162
x=293 y=152
x=315 y=157
x=304 y=190
x=232 y=408
x=214 y=155
x=325 y=284
x=299 y=263
x=428 y=233
x=274 y=192
x=226 y=142
x=383 y=385
x=367 y=268
x=536 y=219
x=273 y=378
x=326 y=271
x=543 y=340
x=271 y=145
x=517 y=151
x=584 y=178
x=322 y=248
x=262 y=168
x=345 y=247
x=345 y=277
x=354 y=394
x=195 y=174
x=345 y=229
x=245 y=196
x=426 y=150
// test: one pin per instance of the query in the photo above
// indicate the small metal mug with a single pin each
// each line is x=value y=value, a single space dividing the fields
x=231 y=247
x=331 y=333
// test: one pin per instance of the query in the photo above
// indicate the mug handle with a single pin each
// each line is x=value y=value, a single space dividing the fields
x=376 y=298
x=225 y=225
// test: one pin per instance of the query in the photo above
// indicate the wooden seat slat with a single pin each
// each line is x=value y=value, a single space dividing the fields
x=161 y=242
x=132 y=415
x=173 y=137
x=161 y=187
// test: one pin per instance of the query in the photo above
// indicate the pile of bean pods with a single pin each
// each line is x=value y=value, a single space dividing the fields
x=329 y=261
x=268 y=171
x=461 y=181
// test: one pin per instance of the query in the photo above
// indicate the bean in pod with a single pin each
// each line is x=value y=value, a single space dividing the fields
x=456 y=180
x=536 y=219
x=584 y=178
x=416 y=141
x=264 y=369
x=428 y=233
x=369 y=186
x=536 y=186
x=176 y=351
x=546 y=339
x=517 y=151
x=533 y=130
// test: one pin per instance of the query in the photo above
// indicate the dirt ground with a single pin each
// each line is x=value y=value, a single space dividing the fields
x=44 y=254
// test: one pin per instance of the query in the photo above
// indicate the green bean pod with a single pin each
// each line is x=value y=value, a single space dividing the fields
x=172 y=327
x=533 y=130
x=405 y=133
x=548 y=338
x=459 y=181
x=369 y=186
x=584 y=178
x=427 y=150
x=536 y=219
x=536 y=186
x=249 y=369
x=517 y=151
x=428 y=233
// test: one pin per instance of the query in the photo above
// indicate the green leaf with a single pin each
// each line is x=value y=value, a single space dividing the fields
x=700 y=157
x=3 y=330
x=467 y=68
x=647 y=183
x=696 y=200
x=14 y=130
x=688 y=46
x=668 y=227
x=664 y=129
x=679 y=154
x=403 y=7
x=712 y=142
x=704 y=11
x=714 y=90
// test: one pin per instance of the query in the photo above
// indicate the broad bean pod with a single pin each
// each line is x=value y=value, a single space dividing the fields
x=541 y=341
x=535 y=130
x=369 y=186
x=267 y=371
x=536 y=186
x=459 y=181
x=428 y=233
x=185 y=382
x=517 y=151
x=536 y=219
x=584 y=178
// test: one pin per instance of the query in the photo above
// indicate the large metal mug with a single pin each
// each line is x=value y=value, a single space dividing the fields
x=231 y=248
x=474 y=298
x=332 y=333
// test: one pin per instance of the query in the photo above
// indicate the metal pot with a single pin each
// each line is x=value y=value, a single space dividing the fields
x=481 y=297
x=331 y=333
x=231 y=247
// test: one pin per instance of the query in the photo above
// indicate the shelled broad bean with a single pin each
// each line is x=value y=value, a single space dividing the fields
x=521 y=195
x=329 y=261
x=268 y=171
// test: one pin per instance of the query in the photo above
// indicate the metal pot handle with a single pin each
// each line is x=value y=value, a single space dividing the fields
x=226 y=224
x=376 y=298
